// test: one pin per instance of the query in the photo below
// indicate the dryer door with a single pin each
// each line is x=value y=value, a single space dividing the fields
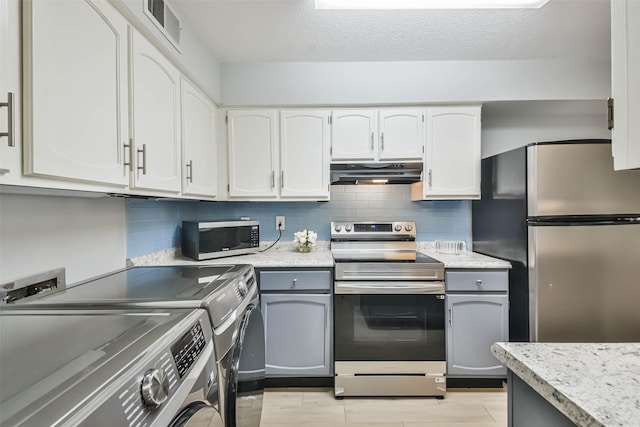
x=245 y=381
x=197 y=414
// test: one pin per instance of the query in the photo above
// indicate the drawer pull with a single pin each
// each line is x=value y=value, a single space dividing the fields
x=295 y=282
x=479 y=282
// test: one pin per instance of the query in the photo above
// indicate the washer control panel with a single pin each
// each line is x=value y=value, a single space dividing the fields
x=186 y=350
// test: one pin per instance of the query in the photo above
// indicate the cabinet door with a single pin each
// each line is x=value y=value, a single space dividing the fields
x=304 y=154
x=200 y=154
x=401 y=134
x=625 y=83
x=354 y=135
x=253 y=153
x=297 y=334
x=452 y=154
x=474 y=323
x=155 y=102
x=10 y=145
x=75 y=91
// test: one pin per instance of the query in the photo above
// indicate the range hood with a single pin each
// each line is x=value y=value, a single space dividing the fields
x=375 y=173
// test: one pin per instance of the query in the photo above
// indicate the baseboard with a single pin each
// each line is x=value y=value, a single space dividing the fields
x=475 y=382
x=299 y=382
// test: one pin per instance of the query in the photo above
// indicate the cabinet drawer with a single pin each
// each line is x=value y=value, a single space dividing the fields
x=477 y=280
x=295 y=280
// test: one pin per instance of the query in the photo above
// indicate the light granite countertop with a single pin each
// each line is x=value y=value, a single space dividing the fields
x=593 y=385
x=284 y=254
x=465 y=259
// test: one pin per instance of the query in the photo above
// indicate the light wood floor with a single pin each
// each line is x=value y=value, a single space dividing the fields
x=316 y=407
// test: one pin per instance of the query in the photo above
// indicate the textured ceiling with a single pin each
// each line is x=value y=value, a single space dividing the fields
x=291 y=30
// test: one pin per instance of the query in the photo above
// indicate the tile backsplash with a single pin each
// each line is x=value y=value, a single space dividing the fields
x=155 y=225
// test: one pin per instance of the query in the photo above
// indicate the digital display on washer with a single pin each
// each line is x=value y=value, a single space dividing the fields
x=186 y=350
x=372 y=227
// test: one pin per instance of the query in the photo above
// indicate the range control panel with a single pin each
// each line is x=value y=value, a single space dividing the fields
x=395 y=230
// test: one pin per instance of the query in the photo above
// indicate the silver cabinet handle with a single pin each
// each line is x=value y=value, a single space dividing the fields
x=430 y=178
x=295 y=282
x=382 y=141
x=273 y=179
x=190 y=171
x=450 y=316
x=143 y=168
x=129 y=147
x=281 y=179
x=9 y=133
x=479 y=282
x=371 y=145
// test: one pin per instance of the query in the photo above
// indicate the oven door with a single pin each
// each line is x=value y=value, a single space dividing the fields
x=389 y=324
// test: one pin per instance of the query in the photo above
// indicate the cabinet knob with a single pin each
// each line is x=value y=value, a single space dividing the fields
x=295 y=282
x=479 y=282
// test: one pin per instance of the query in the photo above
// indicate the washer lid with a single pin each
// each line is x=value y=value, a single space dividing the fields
x=57 y=360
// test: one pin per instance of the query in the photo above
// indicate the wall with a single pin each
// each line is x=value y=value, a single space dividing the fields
x=350 y=83
x=508 y=125
x=154 y=225
x=195 y=59
x=38 y=233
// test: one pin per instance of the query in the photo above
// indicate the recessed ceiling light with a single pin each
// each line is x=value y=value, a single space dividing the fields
x=430 y=4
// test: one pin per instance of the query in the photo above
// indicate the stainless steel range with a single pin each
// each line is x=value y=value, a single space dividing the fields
x=389 y=312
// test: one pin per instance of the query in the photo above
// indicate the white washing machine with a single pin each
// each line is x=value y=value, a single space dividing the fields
x=228 y=293
x=99 y=368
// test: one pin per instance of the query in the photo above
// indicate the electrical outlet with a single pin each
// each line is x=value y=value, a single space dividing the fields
x=279 y=222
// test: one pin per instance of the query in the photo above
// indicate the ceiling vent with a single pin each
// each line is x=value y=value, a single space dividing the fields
x=164 y=18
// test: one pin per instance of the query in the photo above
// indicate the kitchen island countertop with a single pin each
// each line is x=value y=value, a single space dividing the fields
x=594 y=384
x=284 y=254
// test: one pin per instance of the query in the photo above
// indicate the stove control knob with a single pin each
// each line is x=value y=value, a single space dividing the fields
x=154 y=388
x=408 y=227
x=397 y=227
x=347 y=227
x=243 y=289
x=338 y=228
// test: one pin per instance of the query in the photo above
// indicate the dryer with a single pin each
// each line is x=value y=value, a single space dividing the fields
x=116 y=368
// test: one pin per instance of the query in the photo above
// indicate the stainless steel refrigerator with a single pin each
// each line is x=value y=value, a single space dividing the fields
x=570 y=226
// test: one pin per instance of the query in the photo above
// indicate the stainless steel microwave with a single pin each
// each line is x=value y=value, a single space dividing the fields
x=215 y=239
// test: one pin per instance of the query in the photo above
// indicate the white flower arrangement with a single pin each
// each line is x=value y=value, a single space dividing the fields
x=305 y=238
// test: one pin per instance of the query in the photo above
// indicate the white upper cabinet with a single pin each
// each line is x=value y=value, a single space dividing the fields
x=625 y=84
x=452 y=154
x=305 y=138
x=253 y=153
x=362 y=136
x=75 y=91
x=354 y=135
x=285 y=160
x=155 y=105
x=200 y=153
x=10 y=93
x=401 y=134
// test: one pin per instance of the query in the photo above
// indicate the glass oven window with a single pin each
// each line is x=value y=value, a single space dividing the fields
x=389 y=327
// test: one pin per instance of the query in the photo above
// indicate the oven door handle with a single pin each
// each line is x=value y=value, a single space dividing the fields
x=389 y=287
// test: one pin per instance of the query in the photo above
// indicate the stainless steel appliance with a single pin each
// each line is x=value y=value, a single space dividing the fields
x=570 y=226
x=216 y=239
x=118 y=368
x=375 y=173
x=229 y=295
x=389 y=312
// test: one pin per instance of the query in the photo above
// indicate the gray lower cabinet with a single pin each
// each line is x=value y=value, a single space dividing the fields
x=298 y=323
x=474 y=321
